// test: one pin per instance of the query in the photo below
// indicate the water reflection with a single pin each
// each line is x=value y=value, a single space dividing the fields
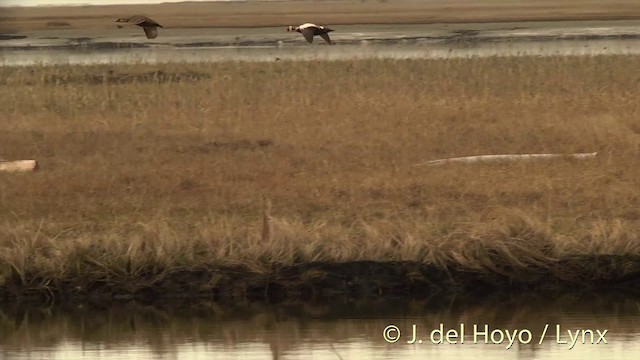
x=347 y=329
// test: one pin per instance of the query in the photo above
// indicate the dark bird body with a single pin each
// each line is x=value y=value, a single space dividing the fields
x=149 y=26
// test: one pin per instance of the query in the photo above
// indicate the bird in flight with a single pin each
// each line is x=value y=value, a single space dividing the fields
x=310 y=30
x=149 y=26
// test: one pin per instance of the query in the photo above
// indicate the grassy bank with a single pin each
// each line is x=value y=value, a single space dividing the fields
x=152 y=177
x=330 y=12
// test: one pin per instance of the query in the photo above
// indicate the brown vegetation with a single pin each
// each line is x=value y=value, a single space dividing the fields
x=149 y=184
x=280 y=13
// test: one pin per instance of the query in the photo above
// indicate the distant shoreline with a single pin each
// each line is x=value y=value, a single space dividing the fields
x=118 y=4
x=63 y=38
x=243 y=14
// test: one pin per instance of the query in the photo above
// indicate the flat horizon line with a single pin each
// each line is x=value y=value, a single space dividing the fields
x=120 y=4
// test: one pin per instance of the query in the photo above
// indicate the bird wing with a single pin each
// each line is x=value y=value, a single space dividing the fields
x=308 y=34
x=137 y=19
x=326 y=38
x=151 y=32
x=143 y=21
x=149 y=22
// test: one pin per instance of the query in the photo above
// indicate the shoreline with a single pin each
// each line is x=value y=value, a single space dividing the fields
x=334 y=12
x=354 y=280
x=454 y=35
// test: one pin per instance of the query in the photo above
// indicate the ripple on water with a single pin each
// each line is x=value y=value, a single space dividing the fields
x=331 y=330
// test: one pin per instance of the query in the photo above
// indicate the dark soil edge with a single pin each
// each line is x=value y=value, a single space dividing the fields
x=356 y=280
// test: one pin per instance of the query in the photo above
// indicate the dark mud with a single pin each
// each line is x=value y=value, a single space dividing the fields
x=58 y=24
x=12 y=37
x=315 y=281
x=238 y=144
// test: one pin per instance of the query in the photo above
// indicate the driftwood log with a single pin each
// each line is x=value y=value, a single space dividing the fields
x=509 y=157
x=18 y=165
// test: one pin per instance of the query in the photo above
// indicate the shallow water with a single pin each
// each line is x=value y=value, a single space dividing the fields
x=347 y=330
x=351 y=41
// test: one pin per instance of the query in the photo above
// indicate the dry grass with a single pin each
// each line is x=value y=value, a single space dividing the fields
x=287 y=12
x=145 y=177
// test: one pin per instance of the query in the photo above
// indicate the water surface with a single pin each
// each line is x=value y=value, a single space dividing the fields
x=129 y=45
x=342 y=329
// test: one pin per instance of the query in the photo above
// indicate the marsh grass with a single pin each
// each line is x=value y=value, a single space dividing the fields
x=146 y=178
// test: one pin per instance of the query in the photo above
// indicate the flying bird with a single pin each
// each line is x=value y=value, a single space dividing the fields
x=310 y=30
x=149 y=26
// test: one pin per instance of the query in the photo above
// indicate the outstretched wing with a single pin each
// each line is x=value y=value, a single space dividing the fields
x=151 y=32
x=308 y=34
x=325 y=36
x=143 y=21
x=137 y=20
x=149 y=22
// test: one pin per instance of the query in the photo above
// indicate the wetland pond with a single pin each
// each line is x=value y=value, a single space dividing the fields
x=112 y=46
x=341 y=329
